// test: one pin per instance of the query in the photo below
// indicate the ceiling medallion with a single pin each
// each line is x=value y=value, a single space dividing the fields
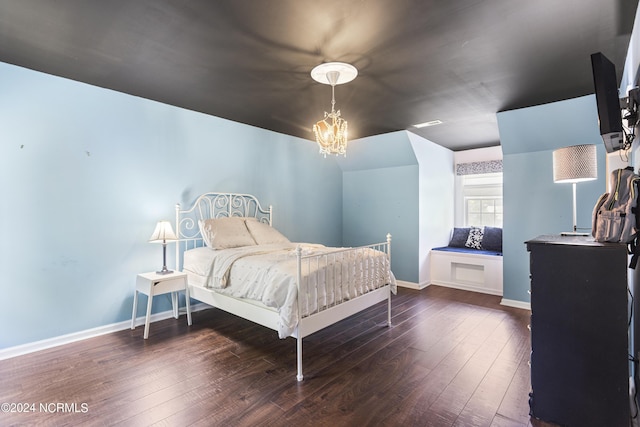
x=331 y=132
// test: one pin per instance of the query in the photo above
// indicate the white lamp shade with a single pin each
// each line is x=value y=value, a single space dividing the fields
x=575 y=163
x=163 y=232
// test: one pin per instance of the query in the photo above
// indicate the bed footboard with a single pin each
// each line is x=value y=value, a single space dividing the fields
x=333 y=286
x=329 y=279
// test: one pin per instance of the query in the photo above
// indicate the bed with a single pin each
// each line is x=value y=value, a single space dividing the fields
x=236 y=261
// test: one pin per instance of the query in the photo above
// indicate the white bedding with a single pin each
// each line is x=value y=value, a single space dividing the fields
x=268 y=273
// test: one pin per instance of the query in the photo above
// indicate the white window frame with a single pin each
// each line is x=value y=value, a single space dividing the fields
x=486 y=186
x=493 y=223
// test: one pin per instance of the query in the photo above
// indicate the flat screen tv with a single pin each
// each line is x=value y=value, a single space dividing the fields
x=608 y=100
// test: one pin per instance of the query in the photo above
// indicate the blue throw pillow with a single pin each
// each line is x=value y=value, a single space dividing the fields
x=492 y=239
x=459 y=237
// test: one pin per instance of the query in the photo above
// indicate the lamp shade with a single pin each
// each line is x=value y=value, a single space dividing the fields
x=163 y=232
x=575 y=163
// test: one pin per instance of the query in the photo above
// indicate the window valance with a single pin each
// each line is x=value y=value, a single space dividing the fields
x=473 y=168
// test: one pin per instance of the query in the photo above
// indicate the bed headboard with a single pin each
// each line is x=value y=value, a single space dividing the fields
x=214 y=205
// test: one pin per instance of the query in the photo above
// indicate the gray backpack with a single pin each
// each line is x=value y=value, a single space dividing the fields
x=614 y=215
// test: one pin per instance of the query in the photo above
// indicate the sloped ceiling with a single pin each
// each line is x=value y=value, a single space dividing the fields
x=458 y=61
x=521 y=131
x=379 y=151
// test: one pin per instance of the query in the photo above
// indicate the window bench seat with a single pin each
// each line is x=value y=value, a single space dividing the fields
x=469 y=269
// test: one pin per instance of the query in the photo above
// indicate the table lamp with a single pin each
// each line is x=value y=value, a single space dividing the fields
x=161 y=234
x=575 y=164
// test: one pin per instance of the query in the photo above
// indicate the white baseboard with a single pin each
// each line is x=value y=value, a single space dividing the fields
x=516 y=304
x=32 y=347
x=506 y=302
x=411 y=285
x=465 y=287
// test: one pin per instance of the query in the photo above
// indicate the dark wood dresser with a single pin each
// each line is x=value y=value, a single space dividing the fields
x=579 y=331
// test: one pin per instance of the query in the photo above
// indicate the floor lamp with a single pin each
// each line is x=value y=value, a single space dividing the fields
x=575 y=164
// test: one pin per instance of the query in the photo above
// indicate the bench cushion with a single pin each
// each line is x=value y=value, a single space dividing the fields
x=467 y=250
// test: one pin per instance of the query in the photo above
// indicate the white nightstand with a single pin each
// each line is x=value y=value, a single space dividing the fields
x=152 y=284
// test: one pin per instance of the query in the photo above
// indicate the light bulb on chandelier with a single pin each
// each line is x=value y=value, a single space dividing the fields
x=331 y=132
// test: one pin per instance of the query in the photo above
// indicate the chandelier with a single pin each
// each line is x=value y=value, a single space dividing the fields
x=331 y=132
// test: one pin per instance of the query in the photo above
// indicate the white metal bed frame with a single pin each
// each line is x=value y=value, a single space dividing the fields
x=216 y=205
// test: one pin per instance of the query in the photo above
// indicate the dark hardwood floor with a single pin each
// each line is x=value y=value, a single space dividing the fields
x=451 y=358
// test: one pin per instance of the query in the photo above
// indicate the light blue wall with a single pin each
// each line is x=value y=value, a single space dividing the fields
x=380 y=196
x=85 y=174
x=380 y=201
x=533 y=203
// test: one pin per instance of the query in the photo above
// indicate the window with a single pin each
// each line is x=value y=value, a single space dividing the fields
x=482 y=199
x=483 y=211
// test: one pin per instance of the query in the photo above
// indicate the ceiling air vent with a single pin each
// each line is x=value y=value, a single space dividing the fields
x=427 y=124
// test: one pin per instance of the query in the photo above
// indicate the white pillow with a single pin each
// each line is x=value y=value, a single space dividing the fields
x=265 y=234
x=223 y=233
x=474 y=241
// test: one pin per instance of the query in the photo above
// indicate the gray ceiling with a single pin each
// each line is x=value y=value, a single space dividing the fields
x=459 y=61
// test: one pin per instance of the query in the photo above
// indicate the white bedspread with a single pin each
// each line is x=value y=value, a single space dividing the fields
x=268 y=273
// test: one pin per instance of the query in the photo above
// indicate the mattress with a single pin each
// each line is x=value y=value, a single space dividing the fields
x=267 y=274
x=201 y=281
